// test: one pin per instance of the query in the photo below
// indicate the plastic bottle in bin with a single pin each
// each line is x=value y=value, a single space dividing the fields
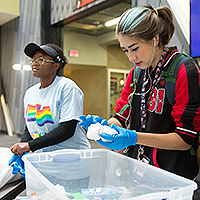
x=102 y=193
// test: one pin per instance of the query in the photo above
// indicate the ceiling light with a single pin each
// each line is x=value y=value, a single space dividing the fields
x=112 y=22
x=17 y=66
x=96 y=23
x=27 y=67
x=121 y=82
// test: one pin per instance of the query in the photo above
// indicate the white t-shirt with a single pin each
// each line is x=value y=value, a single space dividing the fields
x=59 y=102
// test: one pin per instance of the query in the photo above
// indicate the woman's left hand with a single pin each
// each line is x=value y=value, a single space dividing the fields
x=120 y=140
x=20 y=148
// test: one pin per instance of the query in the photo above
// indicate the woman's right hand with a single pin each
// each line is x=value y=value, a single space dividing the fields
x=91 y=119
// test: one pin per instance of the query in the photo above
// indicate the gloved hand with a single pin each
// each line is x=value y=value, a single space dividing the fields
x=120 y=141
x=91 y=119
x=17 y=163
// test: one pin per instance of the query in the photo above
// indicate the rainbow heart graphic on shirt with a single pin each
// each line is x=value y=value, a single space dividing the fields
x=42 y=115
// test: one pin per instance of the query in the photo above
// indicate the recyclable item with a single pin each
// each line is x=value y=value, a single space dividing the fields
x=106 y=193
x=76 y=196
x=102 y=193
x=95 y=129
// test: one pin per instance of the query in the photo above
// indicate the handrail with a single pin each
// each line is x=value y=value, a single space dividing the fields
x=7 y=116
x=5 y=109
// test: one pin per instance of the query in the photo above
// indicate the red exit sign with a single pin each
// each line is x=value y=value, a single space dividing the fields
x=85 y=2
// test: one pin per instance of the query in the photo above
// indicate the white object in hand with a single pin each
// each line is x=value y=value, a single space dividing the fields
x=95 y=129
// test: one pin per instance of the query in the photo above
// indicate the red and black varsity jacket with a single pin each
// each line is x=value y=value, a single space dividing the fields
x=183 y=117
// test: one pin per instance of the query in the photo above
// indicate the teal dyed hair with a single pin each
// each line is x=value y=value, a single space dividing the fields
x=131 y=19
x=146 y=22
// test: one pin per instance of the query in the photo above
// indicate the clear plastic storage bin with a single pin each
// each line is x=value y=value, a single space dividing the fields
x=99 y=174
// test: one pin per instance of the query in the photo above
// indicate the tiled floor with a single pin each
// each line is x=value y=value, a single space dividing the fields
x=8 y=141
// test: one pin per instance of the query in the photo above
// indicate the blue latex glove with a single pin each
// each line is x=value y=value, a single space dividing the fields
x=120 y=141
x=91 y=119
x=18 y=164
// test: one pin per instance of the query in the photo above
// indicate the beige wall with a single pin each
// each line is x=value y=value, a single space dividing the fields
x=90 y=69
x=9 y=10
x=116 y=59
x=90 y=53
x=10 y=7
x=93 y=82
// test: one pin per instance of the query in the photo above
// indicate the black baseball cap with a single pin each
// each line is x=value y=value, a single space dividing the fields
x=31 y=48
